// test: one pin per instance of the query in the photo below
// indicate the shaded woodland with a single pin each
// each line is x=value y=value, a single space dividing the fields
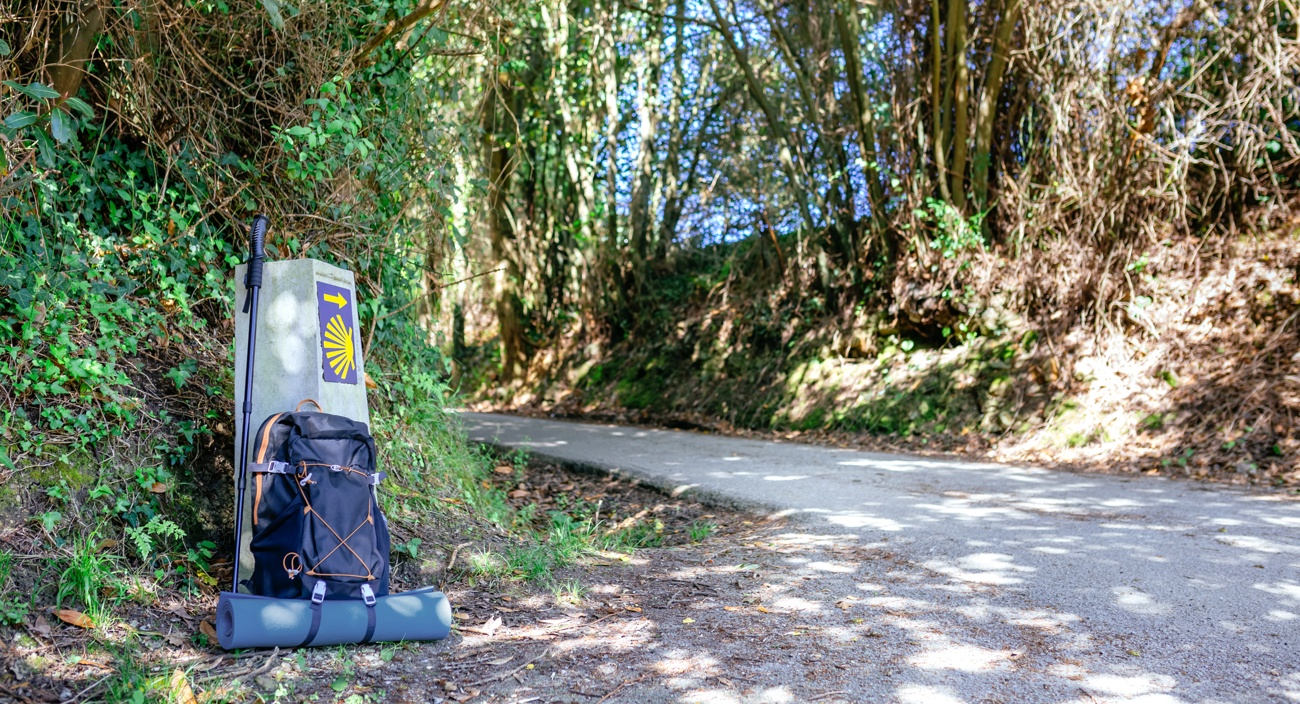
x=688 y=202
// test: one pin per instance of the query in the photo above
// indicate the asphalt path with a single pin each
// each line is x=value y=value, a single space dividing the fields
x=1122 y=588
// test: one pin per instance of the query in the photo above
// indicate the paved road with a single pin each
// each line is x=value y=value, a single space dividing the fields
x=1123 y=588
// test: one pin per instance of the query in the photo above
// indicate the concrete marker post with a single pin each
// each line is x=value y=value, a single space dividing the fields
x=308 y=346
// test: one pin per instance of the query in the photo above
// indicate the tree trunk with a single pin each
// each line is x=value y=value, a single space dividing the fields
x=937 y=118
x=986 y=115
x=961 y=112
x=509 y=307
x=846 y=25
x=672 y=169
x=789 y=150
x=639 y=215
x=76 y=42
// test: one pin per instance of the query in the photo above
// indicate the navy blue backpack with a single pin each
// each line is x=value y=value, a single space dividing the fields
x=318 y=532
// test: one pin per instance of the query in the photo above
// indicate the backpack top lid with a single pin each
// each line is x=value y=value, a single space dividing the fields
x=315 y=436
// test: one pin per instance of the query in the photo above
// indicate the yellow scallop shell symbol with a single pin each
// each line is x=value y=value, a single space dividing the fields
x=338 y=347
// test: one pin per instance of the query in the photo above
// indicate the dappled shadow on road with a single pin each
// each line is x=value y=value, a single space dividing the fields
x=965 y=582
x=775 y=612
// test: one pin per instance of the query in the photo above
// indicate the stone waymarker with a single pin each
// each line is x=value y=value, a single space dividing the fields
x=308 y=347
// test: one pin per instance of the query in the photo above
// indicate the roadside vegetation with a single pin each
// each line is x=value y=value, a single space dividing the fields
x=1056 y=232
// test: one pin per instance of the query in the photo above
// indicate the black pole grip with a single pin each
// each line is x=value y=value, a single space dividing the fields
x=256 y=251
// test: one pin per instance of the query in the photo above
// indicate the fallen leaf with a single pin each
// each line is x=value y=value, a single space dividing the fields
x=370 y=383
x=181 y=692
x=518 y=493
x=158 y=488
x=731 y=608
x=487 y=628
x=75 y=618
x=529 y=666
x=501 y=661
x=504 y=469
x=726 y=682
x=41 y=627
x=506 y=609
x=688 y=620
x=105 y=544
x=207 y=629
x=633 y=609
x=763 y=609
x=1134 y=653
x=387 y=654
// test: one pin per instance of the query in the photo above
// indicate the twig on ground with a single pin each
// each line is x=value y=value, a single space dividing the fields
x=619 y=688
x=823 y=695
x=239 y=675
x=498 y=678
x=266 y=666
x=93 y=686
x=451 y=562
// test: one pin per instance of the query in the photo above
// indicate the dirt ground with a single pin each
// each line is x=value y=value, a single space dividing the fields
x=758 y=611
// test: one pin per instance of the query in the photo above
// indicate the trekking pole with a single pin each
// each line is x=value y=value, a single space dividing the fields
x=252 y=284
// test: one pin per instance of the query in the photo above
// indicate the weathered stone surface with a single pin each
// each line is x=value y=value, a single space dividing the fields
x=289 y=359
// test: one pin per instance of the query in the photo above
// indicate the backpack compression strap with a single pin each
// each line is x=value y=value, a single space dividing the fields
x=317 y=598
x=368 y=596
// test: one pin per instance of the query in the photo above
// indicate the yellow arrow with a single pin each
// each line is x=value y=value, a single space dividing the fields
x=336 y=299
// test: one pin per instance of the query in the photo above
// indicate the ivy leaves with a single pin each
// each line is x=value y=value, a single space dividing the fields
x=60 y=117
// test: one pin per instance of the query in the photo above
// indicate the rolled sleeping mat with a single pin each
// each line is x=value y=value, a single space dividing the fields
x=248 y=621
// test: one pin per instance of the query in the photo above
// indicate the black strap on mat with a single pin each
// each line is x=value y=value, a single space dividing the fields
x=368 y=596
x=317 y=601
x=370 y=625
x=315 y=625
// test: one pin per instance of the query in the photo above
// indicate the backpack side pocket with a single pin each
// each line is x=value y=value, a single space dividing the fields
x=277 y=539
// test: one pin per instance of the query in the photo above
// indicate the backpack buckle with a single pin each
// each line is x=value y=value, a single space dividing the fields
x=335 y=468
x=318 y=593
x=368 y=595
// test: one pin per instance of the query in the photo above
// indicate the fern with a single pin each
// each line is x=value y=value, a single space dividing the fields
x=157 y=527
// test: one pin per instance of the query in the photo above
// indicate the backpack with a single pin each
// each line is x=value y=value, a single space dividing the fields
x=318 y=532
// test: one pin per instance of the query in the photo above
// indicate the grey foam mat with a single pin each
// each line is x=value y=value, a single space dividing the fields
x=247 y=621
